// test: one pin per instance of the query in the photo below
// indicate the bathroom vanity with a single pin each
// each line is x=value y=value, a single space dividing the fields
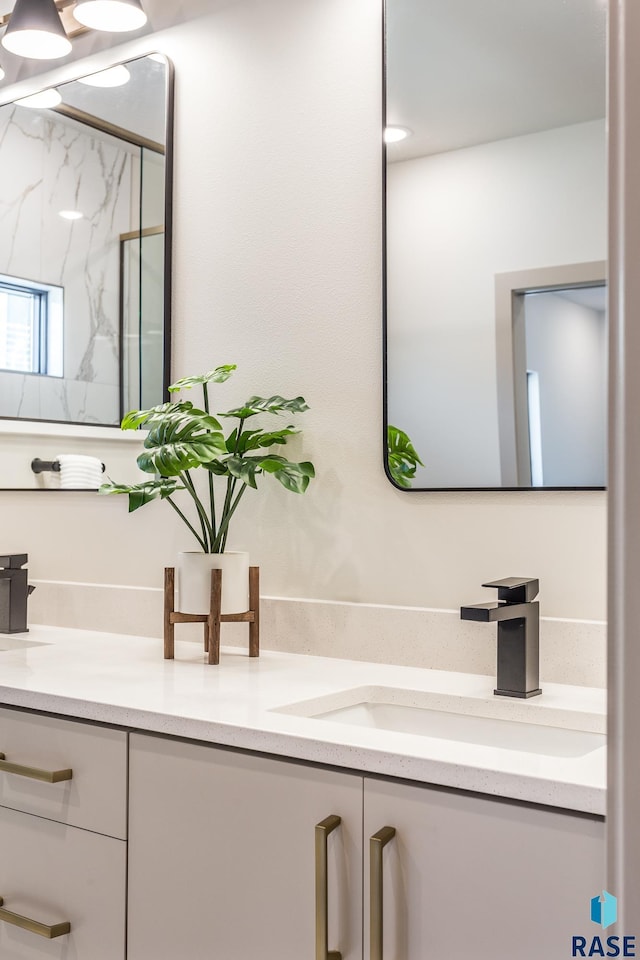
x=239 y=810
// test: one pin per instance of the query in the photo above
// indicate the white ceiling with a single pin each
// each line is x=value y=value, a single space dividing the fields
x=462 y=72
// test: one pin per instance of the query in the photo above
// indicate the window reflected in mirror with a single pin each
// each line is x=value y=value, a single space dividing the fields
x=31 y=327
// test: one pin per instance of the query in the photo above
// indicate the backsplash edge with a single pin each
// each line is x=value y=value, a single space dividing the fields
x=571 y=651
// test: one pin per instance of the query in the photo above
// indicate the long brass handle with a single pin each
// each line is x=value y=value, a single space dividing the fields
x=377 y=843
x=33 y=926
x=323 y=829
x=33 y=773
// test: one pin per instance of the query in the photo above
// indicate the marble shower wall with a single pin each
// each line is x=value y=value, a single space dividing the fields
x=50 y=163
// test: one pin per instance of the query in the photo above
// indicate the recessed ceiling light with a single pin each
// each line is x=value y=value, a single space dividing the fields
x=70 y=214
x=113 y=16
x=394 y=134
x=113 y=77
x=35 y=31
x=44 y=99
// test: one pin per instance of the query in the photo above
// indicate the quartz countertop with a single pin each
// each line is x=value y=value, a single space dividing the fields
x=125 y=681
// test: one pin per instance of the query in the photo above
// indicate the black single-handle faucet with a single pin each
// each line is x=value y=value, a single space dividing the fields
x=517 y=614
x=14 y=591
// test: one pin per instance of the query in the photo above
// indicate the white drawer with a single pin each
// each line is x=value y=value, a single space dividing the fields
x=52 y=874
x=95 y=797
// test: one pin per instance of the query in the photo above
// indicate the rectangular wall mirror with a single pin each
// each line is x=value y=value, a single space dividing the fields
x=495 y=244
x=85 y=246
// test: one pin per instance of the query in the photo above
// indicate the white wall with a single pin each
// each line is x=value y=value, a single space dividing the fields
x=455 y=220
x=278 y=267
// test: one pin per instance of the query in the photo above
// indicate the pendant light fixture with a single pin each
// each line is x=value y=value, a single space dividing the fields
x=112 y=16
x=35 y=31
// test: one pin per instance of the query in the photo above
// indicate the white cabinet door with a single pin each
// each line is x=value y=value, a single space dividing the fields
x=222 y=855
x=52 y=873
x=471 y=876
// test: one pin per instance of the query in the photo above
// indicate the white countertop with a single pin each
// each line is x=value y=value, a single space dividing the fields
x=124 y=680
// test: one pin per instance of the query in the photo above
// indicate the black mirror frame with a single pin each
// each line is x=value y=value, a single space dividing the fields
x=385 y=328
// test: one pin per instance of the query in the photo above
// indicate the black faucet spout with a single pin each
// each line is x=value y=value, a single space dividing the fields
x=495 y=612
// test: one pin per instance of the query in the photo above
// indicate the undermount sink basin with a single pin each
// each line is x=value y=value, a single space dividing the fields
x=10 y=643
x=459 y=719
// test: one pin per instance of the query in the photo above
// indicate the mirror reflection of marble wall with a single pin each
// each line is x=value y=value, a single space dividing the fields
x=504 y=172
x=51 y=164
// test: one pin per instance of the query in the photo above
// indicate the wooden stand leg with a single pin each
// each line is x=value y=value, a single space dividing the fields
x=254 y=607
x=213 y=620
x=169 y=603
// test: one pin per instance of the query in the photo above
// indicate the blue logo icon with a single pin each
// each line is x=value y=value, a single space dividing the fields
x=604 y=909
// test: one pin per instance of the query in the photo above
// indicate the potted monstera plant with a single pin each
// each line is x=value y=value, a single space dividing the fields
x=184 y=438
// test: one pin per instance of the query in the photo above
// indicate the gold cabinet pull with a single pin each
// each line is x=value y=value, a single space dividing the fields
x=377 y=843
x=33 y=773
x=323 y=829
x=33 y=926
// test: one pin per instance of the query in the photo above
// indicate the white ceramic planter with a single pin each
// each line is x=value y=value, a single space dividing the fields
x=193 y=581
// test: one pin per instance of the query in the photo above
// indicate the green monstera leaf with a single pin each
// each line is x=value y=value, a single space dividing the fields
x=294 y=476
x=146 y=418
x=219 y=375
x=402 y=457
x=142 y=493
x=257 y=439
x=184 y=438
x=276 y=404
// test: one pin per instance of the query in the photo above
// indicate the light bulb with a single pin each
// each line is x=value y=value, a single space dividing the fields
x=42 y=100
x=394 y=134
x=112 y=16
x=113 y=77
x=35 y=31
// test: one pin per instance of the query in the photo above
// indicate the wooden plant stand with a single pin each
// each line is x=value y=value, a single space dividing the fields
x=214 y=618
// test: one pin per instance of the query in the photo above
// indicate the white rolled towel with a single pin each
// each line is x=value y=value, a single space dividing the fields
x=79 y=472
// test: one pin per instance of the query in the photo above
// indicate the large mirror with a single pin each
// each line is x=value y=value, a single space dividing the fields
x=496 y=233
x=85 y=246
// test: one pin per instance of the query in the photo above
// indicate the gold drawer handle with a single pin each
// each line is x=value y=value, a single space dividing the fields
x=42 y=929
x=33 y=773
x=377 y=843
x=323 y=829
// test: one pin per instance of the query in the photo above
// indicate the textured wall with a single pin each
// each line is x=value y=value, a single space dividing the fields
x=278 y=268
